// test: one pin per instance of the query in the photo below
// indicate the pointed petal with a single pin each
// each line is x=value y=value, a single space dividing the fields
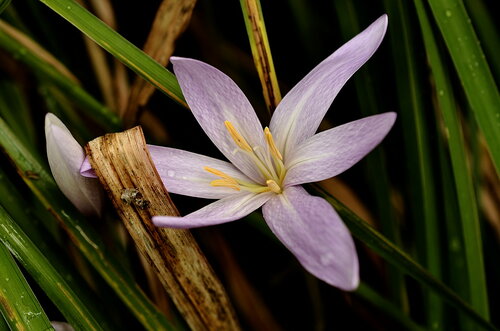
x=214 y=98
x=221 y=211
x=86 y=169
x=299 y=114
x=182 y=172
x=65 y=157
x=333 y=151
x=311 y=229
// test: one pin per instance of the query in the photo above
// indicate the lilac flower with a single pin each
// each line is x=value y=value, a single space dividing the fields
x=267 y=166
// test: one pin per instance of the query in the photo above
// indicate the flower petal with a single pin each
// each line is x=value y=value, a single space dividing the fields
x=221 y=211
x=65 y=157
x=333 y=151
x=182 y=172
x=299 y=114
x=86 y=169
x=311 y=229
x=214 y=98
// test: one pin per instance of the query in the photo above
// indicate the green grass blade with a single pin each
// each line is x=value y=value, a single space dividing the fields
x=84 y=237
x=22 y=51
x=386 y=249
x=469 y=216
x=26 y=211
x=473 y=71
x=49 y=279
x=416 y=134
x=18 y=304
x=119 y=47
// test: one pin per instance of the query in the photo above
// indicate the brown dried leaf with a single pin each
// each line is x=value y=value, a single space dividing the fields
x=261 y=52
x=171 y=20
x=124 y=167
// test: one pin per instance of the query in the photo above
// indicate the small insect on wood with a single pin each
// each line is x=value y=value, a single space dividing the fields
x=132 y=196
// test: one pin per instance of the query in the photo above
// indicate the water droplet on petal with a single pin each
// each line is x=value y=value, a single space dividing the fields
x=327 y=258
x=171 y=173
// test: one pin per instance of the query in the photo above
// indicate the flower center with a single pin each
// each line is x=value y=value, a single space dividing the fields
x=270 y=164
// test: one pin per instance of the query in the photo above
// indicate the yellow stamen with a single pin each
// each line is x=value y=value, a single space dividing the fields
x=272 y=146
x=273 y=186
x=237 y=137
x=225 y=183
x=219 y=173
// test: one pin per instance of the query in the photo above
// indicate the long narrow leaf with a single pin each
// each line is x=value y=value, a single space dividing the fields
x=118 y=46
x=45 y=274
x=414 y=116
x=18 y=303
x=373 y=239
x=469 y=216
x=474 y=72
x=29 y=217
x=261 y=51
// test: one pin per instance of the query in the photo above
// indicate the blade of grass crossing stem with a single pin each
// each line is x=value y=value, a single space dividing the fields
x=18 y=304
x=469 y=217
x=473 y=71
x=416 y=140
x=118 y=46
x=49 y=279
x=81 y=234
x=28 y=217
x=376 y=173
x=386 y=249
x=9 y=40
x=261 y=51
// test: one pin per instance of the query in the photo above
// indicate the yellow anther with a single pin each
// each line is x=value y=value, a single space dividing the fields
x=271 y=184
x=237 y=137
x=225 y=183
x=272 y=146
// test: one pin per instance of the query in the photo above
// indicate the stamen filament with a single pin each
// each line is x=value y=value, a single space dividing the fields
x=237 y=137
x=221 y=174
x=272 y=146
x=225 y=183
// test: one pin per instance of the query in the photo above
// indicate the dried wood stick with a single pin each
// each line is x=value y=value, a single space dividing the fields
x=124 y=167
